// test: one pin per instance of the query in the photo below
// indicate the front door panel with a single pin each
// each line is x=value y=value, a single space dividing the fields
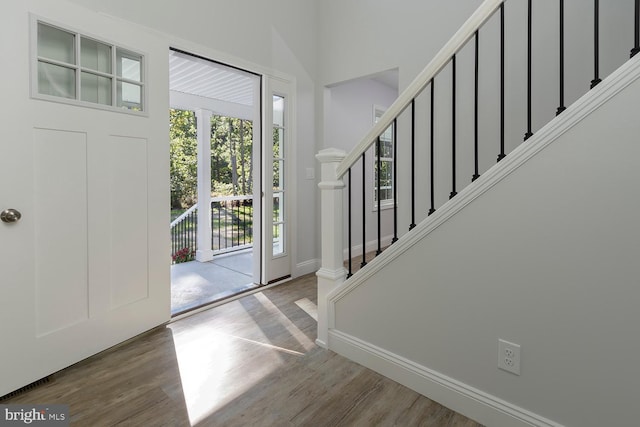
x=86 y=266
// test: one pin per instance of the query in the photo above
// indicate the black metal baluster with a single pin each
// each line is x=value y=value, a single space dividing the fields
x=176 y=242
x=364 y=214
x=349 y=273
x=219 y=226
x=413 y=165
x=395 y=182
x=453 y=127
x=501 y=155
x=476 y=175
x=183 y=235
x=226 y=225
x=223 y=225
x=561 y=108
x=529 y=54
x=636 y=37
x=195 y=230
x=431 y=143
x=379 y=192
x=235 y=223
x=596 y=44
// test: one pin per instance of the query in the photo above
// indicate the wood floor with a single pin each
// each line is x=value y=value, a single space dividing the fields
x=251 y=362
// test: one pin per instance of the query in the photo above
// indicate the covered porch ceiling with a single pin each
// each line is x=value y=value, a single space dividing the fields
x=199 y=83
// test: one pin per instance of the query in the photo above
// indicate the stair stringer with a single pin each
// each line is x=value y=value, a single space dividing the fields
x=461 y=397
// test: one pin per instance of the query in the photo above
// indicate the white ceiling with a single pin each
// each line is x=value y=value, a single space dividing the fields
x=191 y=75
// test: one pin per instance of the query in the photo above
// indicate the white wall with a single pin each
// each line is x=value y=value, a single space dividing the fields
x=361 y=38
x=276 y=36
x=548 y=259
x=348 y=116
x=356 y=41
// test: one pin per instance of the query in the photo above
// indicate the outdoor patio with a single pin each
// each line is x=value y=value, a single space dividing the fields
x=194 y=283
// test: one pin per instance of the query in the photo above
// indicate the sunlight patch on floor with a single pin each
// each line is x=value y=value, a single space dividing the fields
x=212 y=359
x=308 y=307
x=208 y=364
x=295 y=332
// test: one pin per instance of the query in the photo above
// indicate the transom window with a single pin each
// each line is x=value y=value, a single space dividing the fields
x=74 y=67
x=385 y=192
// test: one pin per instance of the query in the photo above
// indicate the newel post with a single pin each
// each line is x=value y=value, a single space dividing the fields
x=332 y=272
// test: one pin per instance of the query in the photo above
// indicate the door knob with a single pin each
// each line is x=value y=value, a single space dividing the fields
x=10 y=215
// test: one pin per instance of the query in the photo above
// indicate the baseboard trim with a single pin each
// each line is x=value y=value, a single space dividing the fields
x=371 y=246
x=471 y=402
x=321 y=343
x=307 y=267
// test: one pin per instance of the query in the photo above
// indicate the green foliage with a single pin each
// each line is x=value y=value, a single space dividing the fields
x=183 y=158
x=231 y=148
x=231 y=158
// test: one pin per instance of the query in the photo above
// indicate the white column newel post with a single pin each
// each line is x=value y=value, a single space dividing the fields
x=332 y=272
x=203 y=125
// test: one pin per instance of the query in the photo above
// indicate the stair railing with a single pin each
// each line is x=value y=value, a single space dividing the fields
x=339 y=167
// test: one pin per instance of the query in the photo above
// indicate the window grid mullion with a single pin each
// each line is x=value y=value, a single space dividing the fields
x=114 y=82
x=78 y=69
x=78 y=72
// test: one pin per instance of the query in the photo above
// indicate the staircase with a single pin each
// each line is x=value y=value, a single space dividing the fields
x=537 y=246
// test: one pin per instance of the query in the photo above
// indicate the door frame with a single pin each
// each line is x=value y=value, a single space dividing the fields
x=283 y=84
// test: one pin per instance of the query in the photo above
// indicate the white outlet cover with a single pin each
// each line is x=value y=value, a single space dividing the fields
x=509 y=356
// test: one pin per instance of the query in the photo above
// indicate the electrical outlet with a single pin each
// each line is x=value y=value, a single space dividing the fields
x=509 y=356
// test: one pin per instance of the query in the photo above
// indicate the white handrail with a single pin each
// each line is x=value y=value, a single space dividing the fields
x=182 y=216
x=179 y=219
x=231 y=198
x=468 y=29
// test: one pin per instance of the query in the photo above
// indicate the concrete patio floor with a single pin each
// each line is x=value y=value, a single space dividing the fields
x=194 y=283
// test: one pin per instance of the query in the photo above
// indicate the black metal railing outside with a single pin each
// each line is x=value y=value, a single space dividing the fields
x=184 y=232
x=231 y=227
x=231 y=223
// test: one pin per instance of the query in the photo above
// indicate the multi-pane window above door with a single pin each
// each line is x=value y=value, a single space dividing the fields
x=72 y=67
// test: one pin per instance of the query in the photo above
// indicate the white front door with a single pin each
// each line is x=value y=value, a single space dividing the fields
x=86 y=266
x=277 y=154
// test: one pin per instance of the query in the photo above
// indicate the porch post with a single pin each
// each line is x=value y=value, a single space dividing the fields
x=203 y=127
x=332 y=272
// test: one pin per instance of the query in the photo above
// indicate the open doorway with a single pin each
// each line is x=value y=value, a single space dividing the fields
x=215 y=168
